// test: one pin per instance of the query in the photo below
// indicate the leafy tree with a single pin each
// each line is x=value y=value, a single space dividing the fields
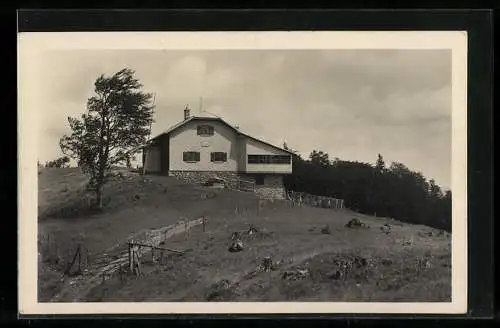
x=399 y=169
x=380 y=165
x=319 y=158
x=117 y=121
x=295 y=153
x=59 y=162
x=128 y=162
x=396 y=192
x=434 y=190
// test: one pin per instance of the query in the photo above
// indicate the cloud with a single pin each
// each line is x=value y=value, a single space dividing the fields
x=419 y=107
x=185 y=77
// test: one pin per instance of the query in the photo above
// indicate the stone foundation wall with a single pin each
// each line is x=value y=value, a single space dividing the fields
x=200 y=177
x=272 y=188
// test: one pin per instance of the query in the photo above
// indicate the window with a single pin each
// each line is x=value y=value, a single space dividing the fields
x=191 y=156
x=259 y=180
x=205 y=130
x=269 y=159
x=218 y=157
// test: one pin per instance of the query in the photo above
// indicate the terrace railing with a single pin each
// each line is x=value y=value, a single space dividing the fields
x=240 y=184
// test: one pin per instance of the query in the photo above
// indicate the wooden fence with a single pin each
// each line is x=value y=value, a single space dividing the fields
x=77 y=260
x=137 y=249
x=245 y=185
x=240 y=184
x=135 y=252
x=62 y=256
x=301 y=198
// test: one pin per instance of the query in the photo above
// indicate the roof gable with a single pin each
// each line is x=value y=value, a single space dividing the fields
x=217 y=119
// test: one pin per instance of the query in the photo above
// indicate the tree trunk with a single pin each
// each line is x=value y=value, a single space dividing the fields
x=98 y=198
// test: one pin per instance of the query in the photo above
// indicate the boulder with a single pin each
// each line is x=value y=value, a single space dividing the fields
x=386 y=228
x=297 y=274
x=236 y=246
x=355 y=223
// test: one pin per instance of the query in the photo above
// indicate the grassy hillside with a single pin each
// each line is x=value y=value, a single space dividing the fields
x=411 y=263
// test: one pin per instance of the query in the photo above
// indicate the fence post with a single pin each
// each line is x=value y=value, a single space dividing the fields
x=130 y=258
x=204 y=223
x=79 y=259
x=138 y=264
x=77 y=254
x=120 y=271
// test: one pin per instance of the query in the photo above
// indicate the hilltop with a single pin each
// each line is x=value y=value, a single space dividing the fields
x=310 y=261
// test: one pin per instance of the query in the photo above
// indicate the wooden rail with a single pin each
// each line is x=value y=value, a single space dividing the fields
x=132 y=244
x=301 y=198
x=239 y=184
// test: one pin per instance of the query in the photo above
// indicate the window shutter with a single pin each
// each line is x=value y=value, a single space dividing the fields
x=191 y=156
x=205 y=130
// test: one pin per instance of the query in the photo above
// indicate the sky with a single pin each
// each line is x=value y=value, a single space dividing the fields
x=352 y=104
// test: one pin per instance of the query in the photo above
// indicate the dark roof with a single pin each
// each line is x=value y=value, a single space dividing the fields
x=216 y=119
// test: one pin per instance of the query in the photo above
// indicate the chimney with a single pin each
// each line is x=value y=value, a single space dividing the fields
x=186 y=113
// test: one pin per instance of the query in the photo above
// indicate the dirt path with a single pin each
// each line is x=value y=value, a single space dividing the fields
x=76 y=288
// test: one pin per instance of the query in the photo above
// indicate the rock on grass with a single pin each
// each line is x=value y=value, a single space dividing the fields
x=220 y=291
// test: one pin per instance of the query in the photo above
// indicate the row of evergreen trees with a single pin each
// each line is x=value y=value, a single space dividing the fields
x=394 y=191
